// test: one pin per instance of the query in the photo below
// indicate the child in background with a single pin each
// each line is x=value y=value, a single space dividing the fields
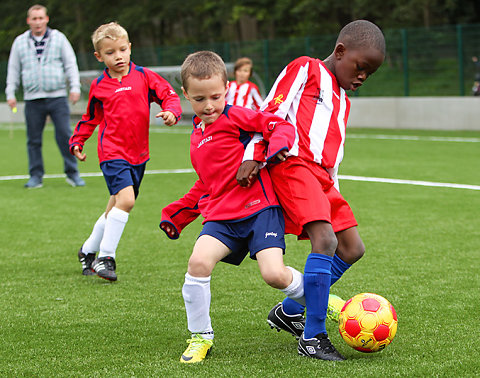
x=241 y=91
x=310 y=94
x=237 y=220
x=119 y=101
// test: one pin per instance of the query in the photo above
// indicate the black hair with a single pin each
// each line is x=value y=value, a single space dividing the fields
x=362 y=33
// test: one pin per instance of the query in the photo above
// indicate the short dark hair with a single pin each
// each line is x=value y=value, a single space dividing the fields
x=202 y=65
x=362 y=33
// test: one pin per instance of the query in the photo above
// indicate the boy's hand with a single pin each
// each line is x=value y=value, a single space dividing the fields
x=168 y=117
x=247 y=173
x=282 y=155
x=169 y=229
x=79 y=154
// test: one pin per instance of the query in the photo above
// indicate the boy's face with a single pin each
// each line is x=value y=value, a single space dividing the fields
x=354 y=66
x=243 y=73
x=115 y=55
x=207 y=97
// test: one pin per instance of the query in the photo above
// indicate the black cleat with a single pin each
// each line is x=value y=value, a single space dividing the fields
x=86 y=260
x=293 y=324
x=105 y=268
x=319 y=347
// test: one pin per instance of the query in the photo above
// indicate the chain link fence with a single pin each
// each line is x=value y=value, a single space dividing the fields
x=420 y=62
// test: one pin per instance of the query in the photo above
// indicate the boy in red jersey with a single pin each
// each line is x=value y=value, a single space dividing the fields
x=242 y=91
x=119 y=101
x=237 y=220
x=310 y=94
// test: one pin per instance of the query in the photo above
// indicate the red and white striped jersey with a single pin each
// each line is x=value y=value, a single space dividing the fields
x=246 y=95
x=307 y=95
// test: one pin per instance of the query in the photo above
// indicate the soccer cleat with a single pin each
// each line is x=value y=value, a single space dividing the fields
x=198 y=348
x=86 y=260
x=319 y=347
x=335 y=305
x=293 y=324
x=105 y=268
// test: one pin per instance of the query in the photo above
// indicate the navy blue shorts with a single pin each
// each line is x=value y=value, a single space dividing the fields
x=256 y=233
x=119 y=174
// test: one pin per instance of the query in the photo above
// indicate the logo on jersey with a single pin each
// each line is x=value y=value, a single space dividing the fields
x=123 y=89
x=318 y=97
x=203 y=141
x=279 y=99
x=172 y=92
x=267 y=234
x=253 y=203
x=271 y=125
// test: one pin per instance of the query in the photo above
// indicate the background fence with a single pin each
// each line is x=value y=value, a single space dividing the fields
x=420 y=62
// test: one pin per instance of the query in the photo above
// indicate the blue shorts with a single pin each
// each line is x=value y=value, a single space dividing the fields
x=119 y=174
x=256 y=233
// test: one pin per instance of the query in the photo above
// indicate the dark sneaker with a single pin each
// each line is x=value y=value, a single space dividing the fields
x=319 y=347
x=105 y=268
x=34 y=182
x=293 y=324
x=86 y=260
x=75 y=180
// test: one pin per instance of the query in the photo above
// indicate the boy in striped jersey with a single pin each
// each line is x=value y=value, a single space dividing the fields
x=310 y=94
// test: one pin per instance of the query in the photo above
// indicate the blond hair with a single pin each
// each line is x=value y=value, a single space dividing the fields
x=203 y=65
x=111 y=30
x=36 y=7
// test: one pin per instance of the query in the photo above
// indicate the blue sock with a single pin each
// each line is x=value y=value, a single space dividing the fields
x=317 y=278
x=291 y=307
x=338 y=268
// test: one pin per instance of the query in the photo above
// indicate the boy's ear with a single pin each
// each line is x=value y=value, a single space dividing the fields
x=98 y=56
x=339 y=50
x=185 y=93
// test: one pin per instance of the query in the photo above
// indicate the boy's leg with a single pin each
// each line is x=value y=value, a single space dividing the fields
x=314 y=341
x=196 y=295
x=105 y=265
x=87 y=252
x=290 y=282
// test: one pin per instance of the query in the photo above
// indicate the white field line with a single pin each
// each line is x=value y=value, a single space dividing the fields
x=341 y=177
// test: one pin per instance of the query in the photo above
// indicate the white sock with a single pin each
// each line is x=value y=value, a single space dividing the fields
x=295 y=289
x=92 y=244
x=114 y=225
x=197 y=296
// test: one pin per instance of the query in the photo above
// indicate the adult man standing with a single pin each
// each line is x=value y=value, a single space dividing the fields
x=44 y=60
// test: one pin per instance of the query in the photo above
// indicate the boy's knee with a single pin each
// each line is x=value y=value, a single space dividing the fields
x=199 y=267
x=278 y=279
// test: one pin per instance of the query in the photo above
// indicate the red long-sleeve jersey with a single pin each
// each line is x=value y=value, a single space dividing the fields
x=216 y=153
x=122 y=109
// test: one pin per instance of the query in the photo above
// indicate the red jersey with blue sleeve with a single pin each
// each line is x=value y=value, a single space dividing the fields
x=216 y=152
x=122 y=109
x=307 y=94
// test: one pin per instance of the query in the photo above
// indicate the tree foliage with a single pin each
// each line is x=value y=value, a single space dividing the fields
x=169 y=22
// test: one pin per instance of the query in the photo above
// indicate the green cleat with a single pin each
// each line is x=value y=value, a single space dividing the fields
x=335 y=305
x=197 y=350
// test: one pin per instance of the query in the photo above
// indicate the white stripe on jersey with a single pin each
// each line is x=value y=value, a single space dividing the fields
x=322 y=116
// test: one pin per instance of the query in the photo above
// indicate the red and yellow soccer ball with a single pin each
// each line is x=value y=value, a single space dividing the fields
x=368 y=322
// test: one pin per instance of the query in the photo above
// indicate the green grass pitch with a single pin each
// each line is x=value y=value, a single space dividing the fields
x=422 y=254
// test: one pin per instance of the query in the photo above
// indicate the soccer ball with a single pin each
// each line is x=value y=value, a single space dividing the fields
x=368 y=322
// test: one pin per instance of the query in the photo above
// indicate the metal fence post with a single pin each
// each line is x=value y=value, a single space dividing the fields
x=461 y=73
x=266 y=63
x=406 y=89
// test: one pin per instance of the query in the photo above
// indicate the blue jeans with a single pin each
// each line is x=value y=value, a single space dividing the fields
x=36 y=112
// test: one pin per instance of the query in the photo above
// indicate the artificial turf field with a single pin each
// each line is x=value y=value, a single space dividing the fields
x=422 y=253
